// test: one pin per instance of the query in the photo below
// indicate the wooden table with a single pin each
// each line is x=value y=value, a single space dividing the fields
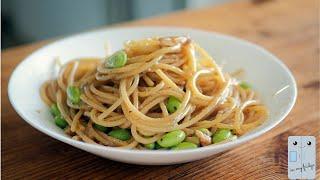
x=288 y=28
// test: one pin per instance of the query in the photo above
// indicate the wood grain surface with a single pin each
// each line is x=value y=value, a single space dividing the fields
x=288 y=28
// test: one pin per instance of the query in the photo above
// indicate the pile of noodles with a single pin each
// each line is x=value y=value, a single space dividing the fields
x=134 y=96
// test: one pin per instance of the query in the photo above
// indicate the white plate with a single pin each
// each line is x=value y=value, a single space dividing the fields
x=263 y=70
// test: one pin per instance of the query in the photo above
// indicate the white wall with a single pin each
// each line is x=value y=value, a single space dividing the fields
x=39 y=19
x=148 y=8
x=35 y=20
x=193 y=4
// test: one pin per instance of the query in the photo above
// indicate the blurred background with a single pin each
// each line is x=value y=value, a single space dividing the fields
x=25 y=21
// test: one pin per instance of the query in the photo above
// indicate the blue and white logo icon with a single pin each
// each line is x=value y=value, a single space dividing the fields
x=302 y=157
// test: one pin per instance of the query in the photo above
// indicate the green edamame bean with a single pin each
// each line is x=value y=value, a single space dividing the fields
x=73 y=94
x=54 y=110
x=101 y=128
x=118 y=59
x=185 y=145
x=245 y=85
x=172 y=138
x=150 y=146
x=173 y=104
x=193 y=139
x=221 y=135
x=157 y=146
x=60 y=122
x=122 y=134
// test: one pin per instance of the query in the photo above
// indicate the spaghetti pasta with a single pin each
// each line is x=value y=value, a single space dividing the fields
x=124 y=97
